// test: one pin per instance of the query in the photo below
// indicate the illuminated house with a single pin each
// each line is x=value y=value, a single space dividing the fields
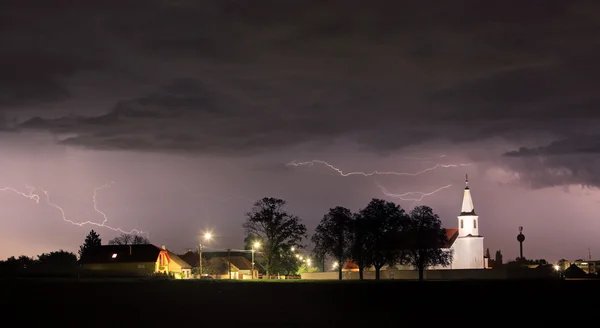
x=216 y=263
x=136 y=260
x=177 y=266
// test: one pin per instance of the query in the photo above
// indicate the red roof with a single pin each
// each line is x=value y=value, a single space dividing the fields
x=451 y=235
x=350 y=266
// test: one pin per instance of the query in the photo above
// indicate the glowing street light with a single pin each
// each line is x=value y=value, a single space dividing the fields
x=335 y=265
x=293 y=249
x=255 y=246
x=556 y=267
x=207 y=237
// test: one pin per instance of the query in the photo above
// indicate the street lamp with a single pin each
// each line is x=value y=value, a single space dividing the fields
x=255 y=246
x=207 y=237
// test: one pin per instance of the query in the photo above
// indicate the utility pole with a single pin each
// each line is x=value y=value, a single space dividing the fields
x=200 y=263
x=229 y=261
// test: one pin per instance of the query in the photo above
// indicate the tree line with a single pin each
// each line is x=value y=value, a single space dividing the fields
x=61 y=262
x=380 y=234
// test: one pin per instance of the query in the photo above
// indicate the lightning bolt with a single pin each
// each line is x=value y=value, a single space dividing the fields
x=346 y=174
x=419 y=194
x=31 y=194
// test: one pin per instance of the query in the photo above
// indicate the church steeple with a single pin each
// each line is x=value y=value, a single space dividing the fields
x=467 y=203
x=467 y=220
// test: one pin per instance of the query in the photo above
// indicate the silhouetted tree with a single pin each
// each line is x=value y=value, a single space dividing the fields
x=333 y=236
x=384 y=222
x=60 y=261
x=16 y=266
x=498 y=258
x=91 y=240
x=287 y=263
x=129 y=239
x=425 y=240
x=358 y=253
x=278 y=229
x=487 y=253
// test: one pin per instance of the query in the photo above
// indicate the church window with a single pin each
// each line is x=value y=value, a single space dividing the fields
x=461 y=224
x=475 y=224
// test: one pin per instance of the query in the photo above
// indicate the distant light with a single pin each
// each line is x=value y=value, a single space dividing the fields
x=256 y=245
x=556 y=267
x=207 y=236
x=335 y=265
x=292 y=249
x=114 y=256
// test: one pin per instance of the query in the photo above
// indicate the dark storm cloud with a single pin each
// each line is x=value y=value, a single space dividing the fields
x=238 y=75
x=570 y=161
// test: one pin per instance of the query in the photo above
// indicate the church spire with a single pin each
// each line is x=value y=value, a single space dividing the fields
x=467 y=203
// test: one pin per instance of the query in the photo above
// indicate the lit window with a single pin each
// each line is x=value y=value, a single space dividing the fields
x=114 y=256
x=461 y=224
x=475 y=224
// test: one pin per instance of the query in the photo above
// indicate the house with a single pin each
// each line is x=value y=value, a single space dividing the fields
x=220 y=268
x=129 y=260
x=180 y=268
x=216 y=263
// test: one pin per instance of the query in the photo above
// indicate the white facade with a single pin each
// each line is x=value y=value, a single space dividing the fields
x=468 y=253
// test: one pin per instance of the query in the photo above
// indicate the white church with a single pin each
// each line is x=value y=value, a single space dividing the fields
x=465 y=241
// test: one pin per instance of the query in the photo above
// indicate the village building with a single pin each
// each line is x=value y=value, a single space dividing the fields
x=133 y=260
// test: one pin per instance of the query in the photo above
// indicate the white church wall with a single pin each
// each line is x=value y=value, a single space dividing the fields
x=468 y=253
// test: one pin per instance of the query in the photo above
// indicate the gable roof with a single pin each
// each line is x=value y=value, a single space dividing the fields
x=124 y=254
x=350 y=265
x=239 y=259
x=219 y=265
x=175 y=258
x=451 y=235
x=240 y=262
x=191 y=258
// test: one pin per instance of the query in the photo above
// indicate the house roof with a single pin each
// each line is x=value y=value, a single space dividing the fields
x=191 y=258
x=350 y=266
x=220 y=265
x=239 y=259
x=240 y=262
x=122 y=254
x=175 y=258
x=451 y=235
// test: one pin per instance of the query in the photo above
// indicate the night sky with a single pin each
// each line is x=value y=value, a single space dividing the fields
x=194 y=109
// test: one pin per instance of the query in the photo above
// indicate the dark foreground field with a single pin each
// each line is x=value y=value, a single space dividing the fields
x=136 y=303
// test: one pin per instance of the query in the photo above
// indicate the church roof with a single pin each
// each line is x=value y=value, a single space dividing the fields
x=467 y=203
x=451 y=235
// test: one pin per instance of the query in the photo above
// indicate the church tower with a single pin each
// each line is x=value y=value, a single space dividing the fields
x=468 y=221
x=468 y=247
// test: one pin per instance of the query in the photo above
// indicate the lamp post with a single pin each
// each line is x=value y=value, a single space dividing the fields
x=207 y=236
x=254 y=247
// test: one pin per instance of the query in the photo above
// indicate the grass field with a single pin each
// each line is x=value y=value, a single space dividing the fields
x=133 y=303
